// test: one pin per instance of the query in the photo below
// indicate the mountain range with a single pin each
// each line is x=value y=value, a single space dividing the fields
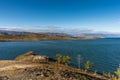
x=62 y=34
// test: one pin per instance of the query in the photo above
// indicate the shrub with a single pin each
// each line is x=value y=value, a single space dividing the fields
x=59 y=58
x=66 y=59
x=88 y=65
x=118 y=73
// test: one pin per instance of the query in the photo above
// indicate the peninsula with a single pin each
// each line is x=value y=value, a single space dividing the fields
x=29 y=66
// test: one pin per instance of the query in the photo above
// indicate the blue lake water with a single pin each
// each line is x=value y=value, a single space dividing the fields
x=104 y=53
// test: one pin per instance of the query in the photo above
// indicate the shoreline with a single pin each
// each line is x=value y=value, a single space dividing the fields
x=42 y=40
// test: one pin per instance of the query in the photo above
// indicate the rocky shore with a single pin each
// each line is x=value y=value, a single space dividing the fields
x=37 y=67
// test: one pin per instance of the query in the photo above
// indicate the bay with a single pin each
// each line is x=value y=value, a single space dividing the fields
x=104 y=53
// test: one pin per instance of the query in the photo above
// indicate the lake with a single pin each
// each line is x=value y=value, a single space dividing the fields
x=104 y=53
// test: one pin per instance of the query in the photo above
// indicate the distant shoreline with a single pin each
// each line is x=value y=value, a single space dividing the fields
x=39 y=37
x=41 y=40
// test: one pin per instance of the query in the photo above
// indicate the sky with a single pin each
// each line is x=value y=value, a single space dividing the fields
x=60 y=15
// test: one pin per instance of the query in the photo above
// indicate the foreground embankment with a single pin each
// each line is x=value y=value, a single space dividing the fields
x=36 y=67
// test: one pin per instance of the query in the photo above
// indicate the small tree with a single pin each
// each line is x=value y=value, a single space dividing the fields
x=118 y=73
x=88 y=65
x=66 y=59
x=79 y=60
x=59 y=58
x=114 y=77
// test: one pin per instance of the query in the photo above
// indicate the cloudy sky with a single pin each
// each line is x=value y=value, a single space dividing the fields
x=60 y=15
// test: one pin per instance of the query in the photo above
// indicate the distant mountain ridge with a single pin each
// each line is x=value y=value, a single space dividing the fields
x=6 y=35
x=12 y=32
x=105 y=35
x=61 y=34
x=30 y=36
x=23 y=32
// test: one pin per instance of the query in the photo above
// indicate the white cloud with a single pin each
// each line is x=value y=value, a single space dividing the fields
x=53 y=29
x=34 y=29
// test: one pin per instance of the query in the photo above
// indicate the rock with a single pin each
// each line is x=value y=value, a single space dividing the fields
x=26 y=57
x=4 y=78
x=31 y=57
x=39 y=59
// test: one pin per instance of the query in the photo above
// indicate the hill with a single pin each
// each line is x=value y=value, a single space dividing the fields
x=32 y=37
x=6 y=35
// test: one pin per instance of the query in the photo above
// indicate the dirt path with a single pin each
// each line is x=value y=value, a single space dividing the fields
x=13 y=65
